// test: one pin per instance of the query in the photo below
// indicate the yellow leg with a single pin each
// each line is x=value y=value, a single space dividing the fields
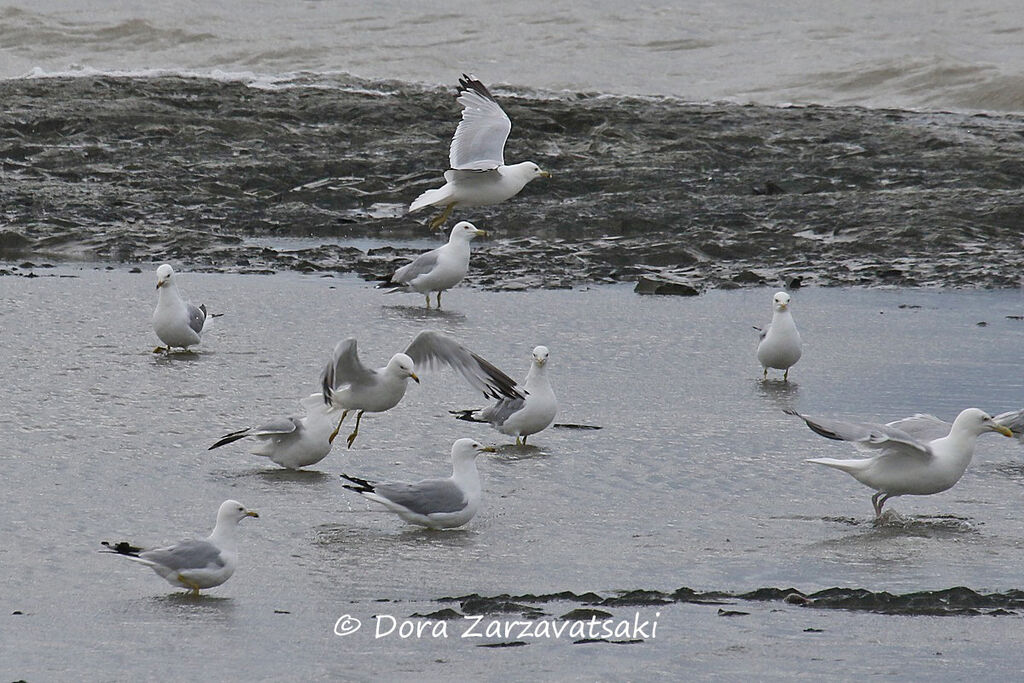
x=428 y=300
x=519 y=442
x=785 y=375
x=355 y=432
x=437 y=222
x=439 y=300
x=337 y=429
x=193 y=587
x=765 y=373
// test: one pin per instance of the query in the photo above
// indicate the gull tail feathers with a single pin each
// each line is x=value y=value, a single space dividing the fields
x=429 y=198
x=848 y=466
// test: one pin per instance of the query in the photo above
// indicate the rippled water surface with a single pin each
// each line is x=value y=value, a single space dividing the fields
x=696 y=479
x=885 y=53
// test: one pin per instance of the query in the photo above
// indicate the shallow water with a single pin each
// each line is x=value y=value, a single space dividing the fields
x=886 y=53
x=696 y=479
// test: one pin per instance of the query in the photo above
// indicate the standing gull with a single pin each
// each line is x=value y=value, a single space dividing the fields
x=520 y=417
x=176 y=322
x=433 y=503
x=292 y=442
x=779 y=347
x=906 y=464
x=195 y=564
x=478 y=174
x=350 y=385
x=438 y=269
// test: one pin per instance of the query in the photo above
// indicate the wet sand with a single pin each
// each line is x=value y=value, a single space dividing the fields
x=202 y=172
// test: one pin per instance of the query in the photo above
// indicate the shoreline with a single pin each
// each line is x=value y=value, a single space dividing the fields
x=187 y=170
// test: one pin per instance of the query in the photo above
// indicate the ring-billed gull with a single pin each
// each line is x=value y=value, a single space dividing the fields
x=433 y=503
x=438 y=269
x=905 y=464
x=175 y=321
x=478 y=174
x=350 y=385
x=779 y=347
x=195 y=564
x=521 y=417
x=292 y=442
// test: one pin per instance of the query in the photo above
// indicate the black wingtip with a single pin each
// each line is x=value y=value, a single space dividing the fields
x=469 y=82
x=230 y=438
x=466 y=414
x=361 y=485
x=121 y=548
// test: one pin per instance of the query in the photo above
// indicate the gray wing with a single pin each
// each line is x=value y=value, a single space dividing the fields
x=867 y=436
x=479 y=142
x=278 y=427
x=344 y=368
x=196 y=317
x=501 y=411
x=430 y=349
x=425 y=497
x=424 y=263
x=761 y=333
x=185 y=555
x=922 y=427
x=1014 y=420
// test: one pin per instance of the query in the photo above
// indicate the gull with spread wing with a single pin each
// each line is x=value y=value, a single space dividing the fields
x=350 y=385
x=905 y=464
x=478 y=174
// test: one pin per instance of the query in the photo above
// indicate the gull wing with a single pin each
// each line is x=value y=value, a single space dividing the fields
x=424 y=263
x=191 y=554
x=426 y=497
x=196 y=317
x=868 y=437
x=344 y=368
x=479 y=141
x=430 y=349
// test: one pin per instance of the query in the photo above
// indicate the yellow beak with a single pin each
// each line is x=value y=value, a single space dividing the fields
x=544 y=174
x=481 y=233
x=251 y=513
x=413 y=375
x=488 y=449
x=1004 y=430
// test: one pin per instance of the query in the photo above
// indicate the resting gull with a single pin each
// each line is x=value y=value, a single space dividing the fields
x=438 y=269
x=292 y=442
x=478 y=174
x=433 y=503
x=779 y=347
x=905 y=464
x=350 y=385
x=521 y=417
x=175 y=321
x=195 y=564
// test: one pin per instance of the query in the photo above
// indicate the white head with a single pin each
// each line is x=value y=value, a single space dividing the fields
x=233 y=511
x=464 y=230
x=466 y=450
x=540 y=355
x=401 y=365
x=163 y=275
x=529 y=170
x=974 y=421
x=780 y=302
